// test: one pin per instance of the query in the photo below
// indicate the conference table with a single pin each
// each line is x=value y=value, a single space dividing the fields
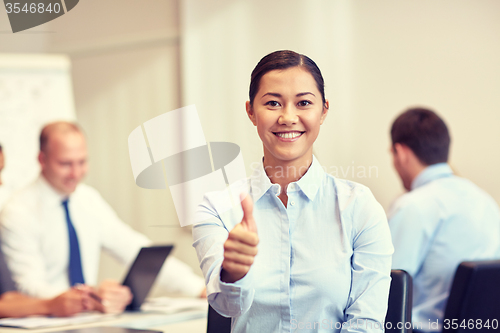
x=193 y=321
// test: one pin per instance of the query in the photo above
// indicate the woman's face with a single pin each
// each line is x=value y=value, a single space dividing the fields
x=288 y=111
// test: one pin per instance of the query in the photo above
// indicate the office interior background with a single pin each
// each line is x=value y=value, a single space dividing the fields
x=133 y=60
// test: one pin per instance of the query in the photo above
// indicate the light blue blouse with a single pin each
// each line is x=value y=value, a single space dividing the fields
x=323 y=264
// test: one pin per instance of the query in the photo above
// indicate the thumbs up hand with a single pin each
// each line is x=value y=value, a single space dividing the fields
x=240 y=247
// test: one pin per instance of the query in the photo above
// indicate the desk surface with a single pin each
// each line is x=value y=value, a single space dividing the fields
x=187 y=322
x=192 y=326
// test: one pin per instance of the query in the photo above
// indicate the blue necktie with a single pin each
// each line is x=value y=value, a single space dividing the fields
x=75 y=262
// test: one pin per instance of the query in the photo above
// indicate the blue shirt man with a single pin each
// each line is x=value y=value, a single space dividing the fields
x=443 y=219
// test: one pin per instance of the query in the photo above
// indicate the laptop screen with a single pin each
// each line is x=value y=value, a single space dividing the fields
x=143 y=272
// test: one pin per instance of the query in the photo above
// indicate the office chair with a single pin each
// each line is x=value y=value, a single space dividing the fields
x=474 y=299
x=217 y=323
x=400 y=303
x=399 y=309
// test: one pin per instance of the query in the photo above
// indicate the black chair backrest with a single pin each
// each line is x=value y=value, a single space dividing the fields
x=217 y=323
x=398 y=312
x=474 y=299
x=398 y=318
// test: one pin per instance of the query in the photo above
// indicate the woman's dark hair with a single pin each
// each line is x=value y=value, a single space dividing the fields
x=424 y=133
x=283 y=60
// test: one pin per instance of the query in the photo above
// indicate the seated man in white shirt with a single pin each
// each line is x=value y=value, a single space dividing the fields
x=53 y=231
x=443 y=219
x=15 y=304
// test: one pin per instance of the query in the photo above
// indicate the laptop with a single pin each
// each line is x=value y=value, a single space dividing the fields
x=143 y=272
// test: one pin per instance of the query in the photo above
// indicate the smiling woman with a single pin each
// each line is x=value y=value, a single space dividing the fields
x=288 y=110
x=324 y=247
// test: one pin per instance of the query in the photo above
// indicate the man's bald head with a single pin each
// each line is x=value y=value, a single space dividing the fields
x=63 y=156
x=56 y=128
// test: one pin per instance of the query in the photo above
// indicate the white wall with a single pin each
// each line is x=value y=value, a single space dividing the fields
x=377 y=58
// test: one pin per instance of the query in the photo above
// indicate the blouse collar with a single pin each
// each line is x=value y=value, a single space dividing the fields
x=309 y=183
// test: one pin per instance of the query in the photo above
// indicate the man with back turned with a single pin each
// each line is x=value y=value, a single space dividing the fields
x=441 y=221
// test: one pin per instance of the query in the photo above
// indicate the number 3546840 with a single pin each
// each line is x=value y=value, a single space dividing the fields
x=470 y=324
x=32 y=8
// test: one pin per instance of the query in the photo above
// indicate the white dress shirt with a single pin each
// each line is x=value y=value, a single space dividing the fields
x=324 y=261
x=35 y=241
x=441 y=222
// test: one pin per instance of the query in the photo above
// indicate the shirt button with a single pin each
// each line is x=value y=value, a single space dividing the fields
x=292 y=203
